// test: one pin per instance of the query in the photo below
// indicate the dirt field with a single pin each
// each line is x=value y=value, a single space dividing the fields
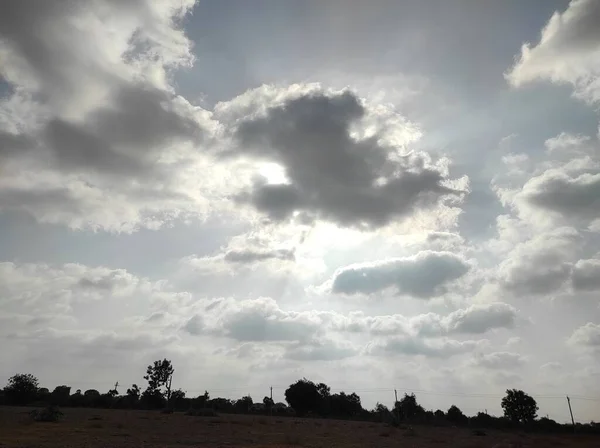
x=119 y=428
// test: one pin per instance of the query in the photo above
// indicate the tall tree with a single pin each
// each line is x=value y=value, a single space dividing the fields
x=519 y=407
x=21 y=389
x=158 y=376
x=408 y=408
x=304 y=396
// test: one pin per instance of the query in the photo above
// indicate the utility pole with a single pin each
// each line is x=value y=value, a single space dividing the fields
x=116 y=385
x=571 y=412
x=271 y=393
x=396 y=405
x=271 y=405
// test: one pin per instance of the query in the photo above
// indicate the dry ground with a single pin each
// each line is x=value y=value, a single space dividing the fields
x=149 y=429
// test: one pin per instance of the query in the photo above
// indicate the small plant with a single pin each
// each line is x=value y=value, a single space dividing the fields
x=479 y=432
x=48 y=414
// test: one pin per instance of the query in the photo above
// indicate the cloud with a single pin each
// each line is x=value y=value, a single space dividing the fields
x=344 y=162
x=259 y=320
x=480 y=318
x=542 y=264
x=586 y=275
x=586 y=336
x=251 y=256
x=499 y=360
x=442 y=348
x=44 y=286
x=321 y=351
x=568 y=51
x=565 y=193
x=92 y=133
x=424 y=275
x=475 y=319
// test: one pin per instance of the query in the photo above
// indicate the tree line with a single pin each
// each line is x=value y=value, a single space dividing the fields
x=304 y=398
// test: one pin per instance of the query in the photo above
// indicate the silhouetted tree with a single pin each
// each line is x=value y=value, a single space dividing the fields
x=408 y=408
x=345 y=405
x=456 y=416
x=92 y=397
x=304 y=396
x=244 y=404
x=201 y=401
x=177 y=399
x=21 y=389
x=60 y=395
x=158 y=376
x=77 y=399
x=439 y=414
x=519 y=407
x=268 y=402
x=43 y=394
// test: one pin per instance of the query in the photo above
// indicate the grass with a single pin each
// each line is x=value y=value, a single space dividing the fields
x=99 y=428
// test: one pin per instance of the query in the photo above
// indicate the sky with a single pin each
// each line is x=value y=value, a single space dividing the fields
x=377 y=195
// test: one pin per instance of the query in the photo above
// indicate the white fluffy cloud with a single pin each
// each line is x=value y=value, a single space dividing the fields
x=93 y=134
x=568 y=51
x=542 y=264
x=586 y=336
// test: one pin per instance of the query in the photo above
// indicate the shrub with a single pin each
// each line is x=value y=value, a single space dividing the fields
x=48 y=414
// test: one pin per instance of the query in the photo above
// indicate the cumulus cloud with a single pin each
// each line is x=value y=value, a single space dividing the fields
x=586 y=336
x=499 y=360
x=46 y=287
x=586 y=275
x=441 y=348
x=424 y=275
x=475 y=319
x=480 y=318
x=93 y=134
x=343 y=161
x=321 y=351
x=542 y=264
x=568 y=51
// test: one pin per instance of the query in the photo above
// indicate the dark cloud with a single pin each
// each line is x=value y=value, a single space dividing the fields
x=263 y=320
x=480 y=318
x=128 y=137
x=334 y=175
x=423 y=275
x=413 y=346
x=195 y=325
x=569 y=195
x=586 y=275
x=251 y=256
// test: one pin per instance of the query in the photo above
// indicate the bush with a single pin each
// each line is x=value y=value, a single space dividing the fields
x=48 y=414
